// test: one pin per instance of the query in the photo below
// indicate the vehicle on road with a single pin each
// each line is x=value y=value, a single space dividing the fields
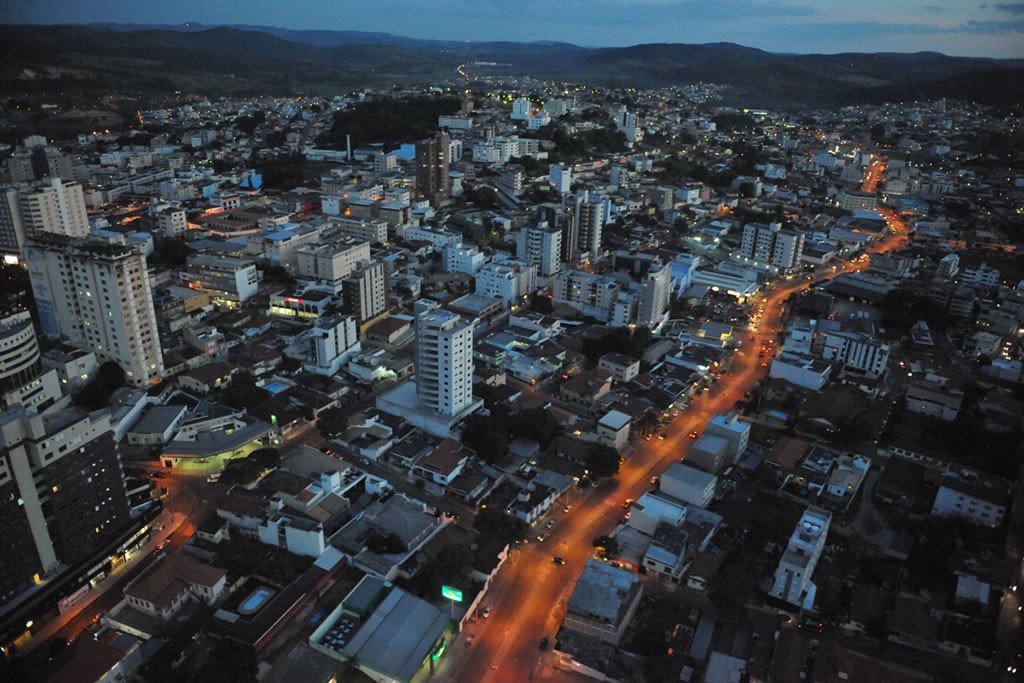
x=566 y=508
x=550 y=524
x=544 y=643
x=163 y=544
x=661 y=437
x=558 y=560
x=693 y=435
x=542 y=537
x=488 y=610
x=213 y=478
x=157 y=475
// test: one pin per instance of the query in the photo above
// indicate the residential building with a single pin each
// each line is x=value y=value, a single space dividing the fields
x=621 y=367
x=444 y=362
x=978 y=497
x=172 y=222
x=12 y=225
x=930 y=398
x=333 y=262
x=589 y=293
x=432 y=162
x=56 y=207
x=96 y=294
x=230 y=281
x=688 y=484
x=333 y=342
x=364 y=293
x=772 y=245
x=801 y=370
x=793 y=575
x=603 y=602
x=735 y=431
x=655 y=295
x=507 y=280
x=560 y=178
x=854 y=350
x=542 y=246
x=462 y=258
x=589 y=216
x=368 y=230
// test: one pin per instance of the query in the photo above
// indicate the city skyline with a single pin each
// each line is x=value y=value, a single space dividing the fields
x=798 y=26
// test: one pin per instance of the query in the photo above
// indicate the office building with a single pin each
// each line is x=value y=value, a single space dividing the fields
x=364 y=294
x=432 y=162
x=62 y=493
x=96 y=294
x=444 y=362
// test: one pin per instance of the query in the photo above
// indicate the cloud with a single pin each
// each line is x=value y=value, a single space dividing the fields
x=935 y=9
x=1012 y=8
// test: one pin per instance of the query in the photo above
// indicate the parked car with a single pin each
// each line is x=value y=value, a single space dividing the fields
x=488 y=610
x=558 y=560
x=544 y=643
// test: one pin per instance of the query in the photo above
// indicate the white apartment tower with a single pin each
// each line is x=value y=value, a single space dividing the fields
x=560 y=178
x=772 y=245
x=96 y=294
x=444 y=362
x=541 y=246
x=655 y=296
x=55 y=207
x=589 y=215
x=793 y=575
x=364 y=294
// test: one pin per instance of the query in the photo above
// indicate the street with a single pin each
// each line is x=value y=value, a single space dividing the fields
x=530 y=593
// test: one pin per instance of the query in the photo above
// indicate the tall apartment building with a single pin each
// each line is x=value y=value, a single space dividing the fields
x=96 y=294
x=56 y=207
x=560 y=178
x=542 y=246
x=172 y=222
x=333 y=262
x=772 y=245
x=364 y=294
x=591 y=294
x=12 y=226
x=332 y=343
x=62 y=492
x=444 y=362
x=589 y=216
x=655 y=294
x=432 y=161
x=793 y=575
x=229 y=280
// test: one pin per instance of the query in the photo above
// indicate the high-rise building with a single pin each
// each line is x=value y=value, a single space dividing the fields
x=364 y=294
x=23 y=379
x=56 y=207
x=332 y=343
x=432 y=162
x=542 y=246
x=12 y=226
x=589 y=216
x=62 y=492
x=772 y=245
x=96 y=294
x=793 y=575
x=333 y=262
x=444 y=362
x=655 y=294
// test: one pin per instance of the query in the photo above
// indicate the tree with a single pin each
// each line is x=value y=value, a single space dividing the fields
x=332 y=422
x=171 y=251
x=603 y=462
x=96 y=394
x=500 y=524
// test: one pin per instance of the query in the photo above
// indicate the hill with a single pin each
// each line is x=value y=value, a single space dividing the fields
x=140 y=61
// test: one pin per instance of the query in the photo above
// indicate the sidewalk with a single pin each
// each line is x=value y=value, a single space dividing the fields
x=167 y=523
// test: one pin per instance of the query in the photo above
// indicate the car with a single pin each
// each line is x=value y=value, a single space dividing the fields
x=654 y=479
x=550 y=524
x=764 y=364
x=544 y=406
x=542 y=537
x=694 y=435
x=544 y=643
x=487 y=611
x=157 y=475
x=163 y=544
x=558 y=560
x=566 y=508
x=627 y=503
x=661 y=437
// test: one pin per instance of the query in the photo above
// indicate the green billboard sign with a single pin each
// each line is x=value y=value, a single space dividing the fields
x=451 y=593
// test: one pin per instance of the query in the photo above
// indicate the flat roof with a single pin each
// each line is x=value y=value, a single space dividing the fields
x=603 y=591
x=399 y=635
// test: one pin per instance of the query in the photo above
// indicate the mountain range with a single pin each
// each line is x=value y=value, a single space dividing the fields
x=145 y=60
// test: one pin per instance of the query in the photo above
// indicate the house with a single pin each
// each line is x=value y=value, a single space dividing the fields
x=585 y=390
x=206 y=378
x=931 y=398
x=802 y=370
x=177 y=579
x=709 y=453
x=613 y=429
x=621 y=367
x=444 y=463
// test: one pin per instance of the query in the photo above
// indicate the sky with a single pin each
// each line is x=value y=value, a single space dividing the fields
x=953 y=27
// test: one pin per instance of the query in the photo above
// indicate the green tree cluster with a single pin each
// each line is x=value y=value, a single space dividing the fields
x=618 y=340
x=246 y=470
x=96 y=394
x=500 y=524
x=389 y=121
x=489 y=435
x=332 y=422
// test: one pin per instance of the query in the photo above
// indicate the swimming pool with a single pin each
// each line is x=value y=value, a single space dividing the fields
x=255 y=600
x=275 y=387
